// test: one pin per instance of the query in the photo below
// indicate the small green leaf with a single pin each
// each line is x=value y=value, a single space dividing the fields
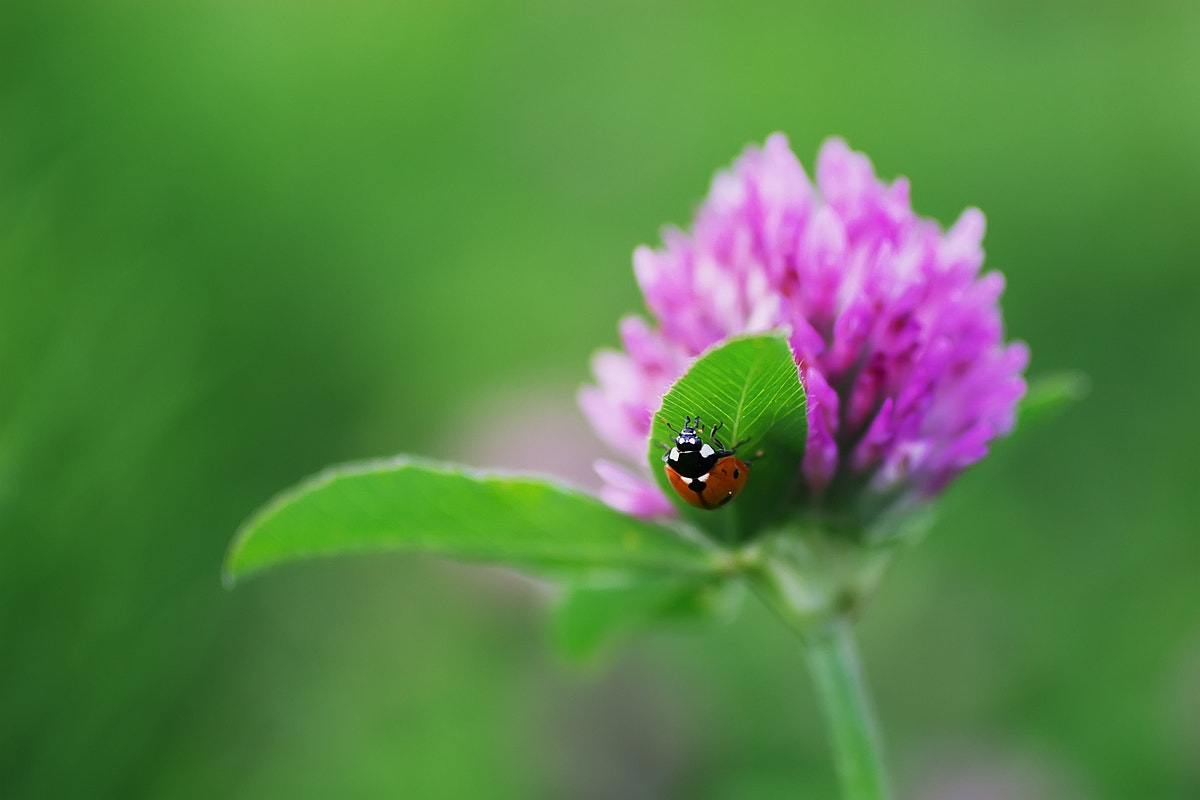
x=751 y=385
x=405 y=505
x=1049 y=394
x=590 y=619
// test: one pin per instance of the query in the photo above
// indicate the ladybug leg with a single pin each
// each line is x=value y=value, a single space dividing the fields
x=713 y=435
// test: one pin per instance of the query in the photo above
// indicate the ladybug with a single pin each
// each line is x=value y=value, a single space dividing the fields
x=702 y=475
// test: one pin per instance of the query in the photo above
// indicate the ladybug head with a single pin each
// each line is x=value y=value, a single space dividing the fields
x=688 y=439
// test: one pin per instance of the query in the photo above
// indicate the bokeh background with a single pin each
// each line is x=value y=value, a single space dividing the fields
x=242 y=240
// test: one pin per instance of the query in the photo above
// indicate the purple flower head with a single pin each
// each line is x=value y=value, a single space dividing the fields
x=898 y=336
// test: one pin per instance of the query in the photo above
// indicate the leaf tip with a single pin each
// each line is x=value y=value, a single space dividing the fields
x=1051 y=393
x=234 y=567
x=231 y=570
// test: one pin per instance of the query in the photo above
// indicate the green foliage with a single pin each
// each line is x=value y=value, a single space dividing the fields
x=408 y=505
x=622 y=573
x=752 y=386
x=590 y=619
x=413 y=506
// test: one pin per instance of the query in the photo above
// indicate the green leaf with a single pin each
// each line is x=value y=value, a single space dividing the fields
x=405 y=505
x=1049 y=394
x=752 y=386
x=590 y=619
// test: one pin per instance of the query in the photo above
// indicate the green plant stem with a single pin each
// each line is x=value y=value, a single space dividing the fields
x=853 y=731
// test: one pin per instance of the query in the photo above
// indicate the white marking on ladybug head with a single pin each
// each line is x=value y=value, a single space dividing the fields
x=706 y=451
x=704 y=478
x=674 y=454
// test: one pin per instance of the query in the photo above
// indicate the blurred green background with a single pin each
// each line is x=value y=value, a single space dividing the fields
x=242 y=240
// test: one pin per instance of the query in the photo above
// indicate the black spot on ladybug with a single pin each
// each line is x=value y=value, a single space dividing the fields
x=737 y=473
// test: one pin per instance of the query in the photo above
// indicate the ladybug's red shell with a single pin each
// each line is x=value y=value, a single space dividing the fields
x=716 y=488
